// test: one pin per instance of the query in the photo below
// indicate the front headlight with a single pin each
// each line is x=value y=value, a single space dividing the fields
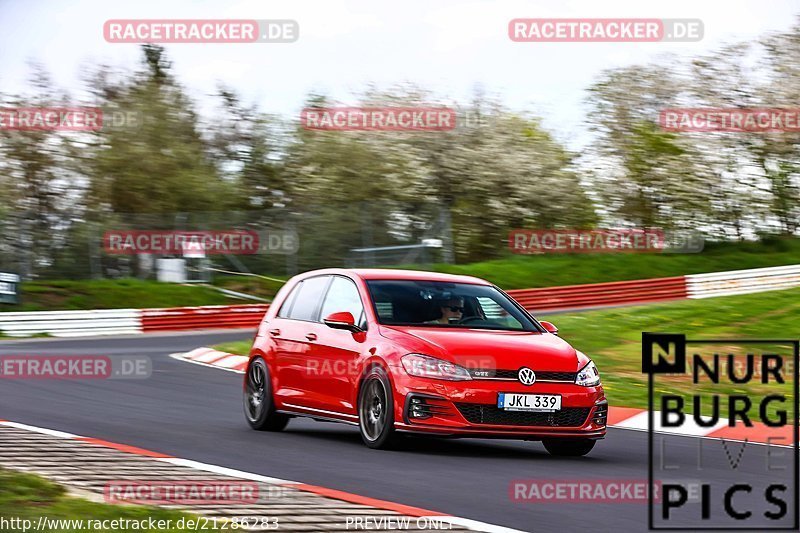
x=588 y=376
x=424 y=366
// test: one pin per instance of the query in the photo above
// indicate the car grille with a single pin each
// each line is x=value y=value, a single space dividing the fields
x=478 y=413
x=513 y=375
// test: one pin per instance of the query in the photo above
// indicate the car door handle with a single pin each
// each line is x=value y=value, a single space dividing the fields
x=274 y=332
x=311 y=336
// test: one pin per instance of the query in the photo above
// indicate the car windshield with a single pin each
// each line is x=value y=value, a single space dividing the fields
x=443 y=304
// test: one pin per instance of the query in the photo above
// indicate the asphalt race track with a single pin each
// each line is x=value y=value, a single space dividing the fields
x=195 y=412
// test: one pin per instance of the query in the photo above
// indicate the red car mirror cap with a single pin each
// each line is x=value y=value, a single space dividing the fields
x=342 y=320
x=549 y=327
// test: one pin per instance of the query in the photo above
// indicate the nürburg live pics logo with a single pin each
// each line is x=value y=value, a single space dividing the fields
x=722 y=433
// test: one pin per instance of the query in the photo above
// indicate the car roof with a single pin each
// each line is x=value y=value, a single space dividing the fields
x=396 y=274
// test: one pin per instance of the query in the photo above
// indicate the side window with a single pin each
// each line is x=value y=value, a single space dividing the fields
x=343 y=296
x=490 y=308
x=283 y=312
x=308 y=298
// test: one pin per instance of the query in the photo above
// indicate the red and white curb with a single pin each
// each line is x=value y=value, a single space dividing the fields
x=618 y=417
x=380 y=505
x=215 y=358
x=758 y=433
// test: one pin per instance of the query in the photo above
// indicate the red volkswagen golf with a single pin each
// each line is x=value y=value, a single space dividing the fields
x=402 y=351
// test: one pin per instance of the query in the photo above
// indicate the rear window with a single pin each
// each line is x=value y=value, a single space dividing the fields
x=283 y=312
x=307 y=302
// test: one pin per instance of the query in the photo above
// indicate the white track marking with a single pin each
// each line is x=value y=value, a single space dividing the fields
x=225 y=471
x=456 y=520
x=45 y=431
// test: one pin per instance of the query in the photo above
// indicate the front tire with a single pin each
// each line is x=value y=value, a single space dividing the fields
x=376 y=410
x=568 y=447
x=259 y=406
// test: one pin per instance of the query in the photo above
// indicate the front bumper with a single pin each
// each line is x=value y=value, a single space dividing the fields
x=469 y=409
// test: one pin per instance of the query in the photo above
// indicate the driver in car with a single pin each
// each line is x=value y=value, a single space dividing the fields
x=450 y=310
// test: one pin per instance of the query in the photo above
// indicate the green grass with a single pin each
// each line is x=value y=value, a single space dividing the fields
x=236 y=347
x=135 y=293
x=29 y=497
x=514 y=272
x=112 y=294
x=255 y=286
x=612 y=338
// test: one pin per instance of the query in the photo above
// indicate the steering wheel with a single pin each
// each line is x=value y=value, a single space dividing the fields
x=469 y=319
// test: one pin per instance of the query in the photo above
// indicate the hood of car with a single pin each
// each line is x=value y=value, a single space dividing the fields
x=500 y=350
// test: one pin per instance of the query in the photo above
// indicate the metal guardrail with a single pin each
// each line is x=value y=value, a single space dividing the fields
x=742 y=281
x=206 y=317
x=601 y=294
x=71 y=323
x=131 y=321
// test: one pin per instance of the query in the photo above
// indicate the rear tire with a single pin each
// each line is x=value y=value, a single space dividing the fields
x=376 y=410
x=568 y=447
x=259 y=406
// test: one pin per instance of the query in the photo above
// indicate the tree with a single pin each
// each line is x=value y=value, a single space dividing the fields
x=40 y=191
x=160 y=165
x=646 y=176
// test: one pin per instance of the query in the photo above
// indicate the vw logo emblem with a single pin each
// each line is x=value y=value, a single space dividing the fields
x=526 y=376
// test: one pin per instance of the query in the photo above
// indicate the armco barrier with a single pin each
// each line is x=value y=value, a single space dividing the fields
x=71 y=323
x=124 y=321
x=207 y=317
x=601 y=294
x=743 y=281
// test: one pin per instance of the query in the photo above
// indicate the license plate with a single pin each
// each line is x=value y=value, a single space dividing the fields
x=542 y=403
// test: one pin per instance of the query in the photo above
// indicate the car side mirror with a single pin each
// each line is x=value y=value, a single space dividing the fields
x=343 y=320
x=549 y=327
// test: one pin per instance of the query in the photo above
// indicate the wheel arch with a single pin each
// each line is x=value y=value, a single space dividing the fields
x=368 y=365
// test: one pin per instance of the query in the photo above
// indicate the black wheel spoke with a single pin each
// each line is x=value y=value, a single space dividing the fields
x=256 y=391
x=373 y=409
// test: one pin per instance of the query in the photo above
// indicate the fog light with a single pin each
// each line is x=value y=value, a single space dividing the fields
x=419 y=408
x=600 y=414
